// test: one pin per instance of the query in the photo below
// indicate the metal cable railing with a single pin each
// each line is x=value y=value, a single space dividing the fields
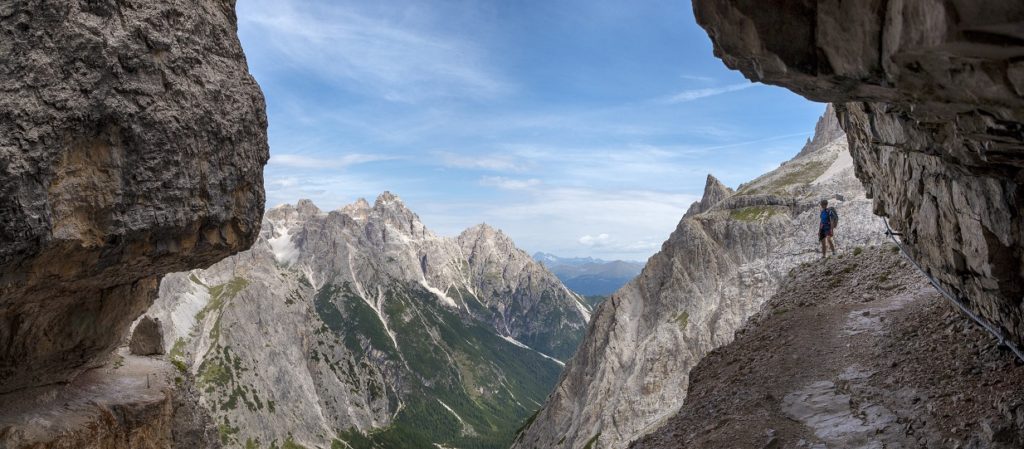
x=1003 y=341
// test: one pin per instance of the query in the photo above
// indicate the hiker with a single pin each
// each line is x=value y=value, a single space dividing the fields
x=829 y=220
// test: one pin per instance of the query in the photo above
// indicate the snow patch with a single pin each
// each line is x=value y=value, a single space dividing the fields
x=284 y=250
x=440 y=294
x=582 y=309
x=186 y=307
x=521 y=345
x=446 y=407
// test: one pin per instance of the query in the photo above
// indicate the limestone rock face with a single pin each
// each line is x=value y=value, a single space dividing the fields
x=931 y=95
x=147 y=337
x=132 y=142
x=361 y=323
x=726 y=257
x=714 y=192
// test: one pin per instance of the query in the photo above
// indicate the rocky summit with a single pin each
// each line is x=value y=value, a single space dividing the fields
x=360 y=327
x=727 y=256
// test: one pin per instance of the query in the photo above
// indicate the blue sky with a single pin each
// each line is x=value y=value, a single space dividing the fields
x=579 y=127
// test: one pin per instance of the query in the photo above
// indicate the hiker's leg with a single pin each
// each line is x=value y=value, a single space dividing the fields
x=832 y=244
x=823 y=252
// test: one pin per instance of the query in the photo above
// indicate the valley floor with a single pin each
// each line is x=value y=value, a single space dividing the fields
x=855 y=352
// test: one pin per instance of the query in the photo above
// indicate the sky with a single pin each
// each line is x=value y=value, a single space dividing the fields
x=578 y=127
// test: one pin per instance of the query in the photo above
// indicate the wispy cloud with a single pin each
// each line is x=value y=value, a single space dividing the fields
x=504 y=183
x=694 y=94
x=492 y=162
x=394 y=58
x=325 y=162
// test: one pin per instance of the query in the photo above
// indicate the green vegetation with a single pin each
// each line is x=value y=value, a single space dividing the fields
x=118 y=362
x=683 y=318
x=755 y=213
x=221 y=293
x=178 y=349
x=182 y=368
x=592 y=441
x=801 y=174
x=487 y=385
x=227 y=433
x=594 y=300
x=857 y=251
x=289 y=443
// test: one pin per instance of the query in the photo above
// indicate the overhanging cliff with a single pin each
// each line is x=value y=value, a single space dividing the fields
x=132 y=144
x=931 y=95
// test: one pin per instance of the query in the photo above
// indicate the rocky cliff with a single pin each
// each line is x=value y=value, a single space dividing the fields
x=132 y=143
x=362 y=326
x=931 y=95
x=725 y=258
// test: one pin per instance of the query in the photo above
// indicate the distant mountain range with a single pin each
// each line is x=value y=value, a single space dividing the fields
x=589 y=276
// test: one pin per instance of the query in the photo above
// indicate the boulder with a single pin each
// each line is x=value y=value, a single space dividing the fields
x=147 y=338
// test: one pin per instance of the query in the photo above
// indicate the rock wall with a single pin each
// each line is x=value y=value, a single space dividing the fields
x=931 y=95
x=132 y=144
x=725 y=258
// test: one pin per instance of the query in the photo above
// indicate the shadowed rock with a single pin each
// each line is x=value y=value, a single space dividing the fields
x=132 y=144
x=147 y=338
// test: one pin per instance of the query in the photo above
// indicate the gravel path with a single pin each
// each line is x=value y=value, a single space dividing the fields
x=857 y=351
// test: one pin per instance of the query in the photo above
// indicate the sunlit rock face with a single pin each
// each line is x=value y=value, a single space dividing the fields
x=727 y=256
x=132 y=144
x=931 y=95
x=360 y=324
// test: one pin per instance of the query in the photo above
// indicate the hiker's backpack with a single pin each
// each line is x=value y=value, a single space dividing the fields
x=833 y=218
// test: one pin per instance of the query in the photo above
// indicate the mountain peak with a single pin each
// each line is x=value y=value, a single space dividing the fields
x=358 y=210
x=825 y=131
x=483 y=230
x=303 y=210
x=387 y=199
x=714 y=192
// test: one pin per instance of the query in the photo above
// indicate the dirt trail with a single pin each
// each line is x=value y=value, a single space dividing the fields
x=855 y=352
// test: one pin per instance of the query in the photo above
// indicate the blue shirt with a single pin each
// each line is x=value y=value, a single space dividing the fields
x=825 y=223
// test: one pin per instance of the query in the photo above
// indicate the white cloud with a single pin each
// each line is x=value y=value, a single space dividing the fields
x=591 y=240
x=396 y=58
x=509 y=183
x=694 y=94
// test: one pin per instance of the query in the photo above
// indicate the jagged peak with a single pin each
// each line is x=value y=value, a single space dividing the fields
x=386 y=199
x=358 y=210
x=302 y=209
x=825 y=131
x=714 y=192
x=482 y=229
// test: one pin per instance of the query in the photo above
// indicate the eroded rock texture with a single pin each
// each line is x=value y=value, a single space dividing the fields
x=132 y=141
x=726 y=257
x=931 y=95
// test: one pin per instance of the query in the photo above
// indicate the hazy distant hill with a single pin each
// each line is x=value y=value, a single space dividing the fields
x=590 y=276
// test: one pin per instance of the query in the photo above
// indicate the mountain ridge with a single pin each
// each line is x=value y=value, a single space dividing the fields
x=359 y=326
x=590 y=276
x=725 y=258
